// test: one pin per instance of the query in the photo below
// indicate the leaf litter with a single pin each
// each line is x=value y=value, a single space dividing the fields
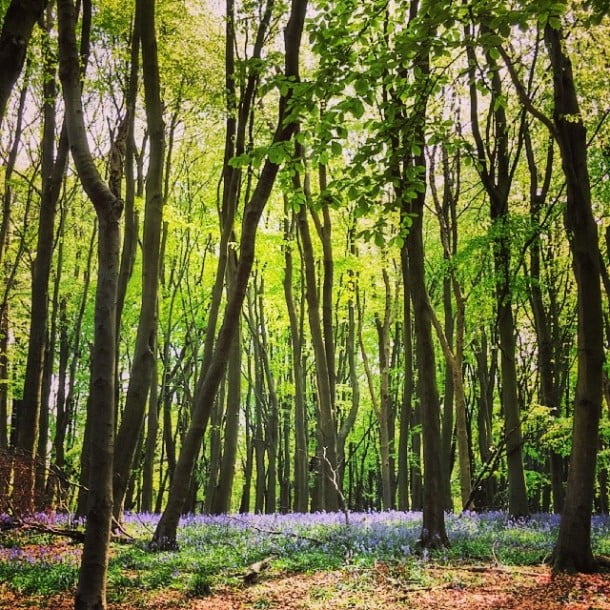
x=380 y=587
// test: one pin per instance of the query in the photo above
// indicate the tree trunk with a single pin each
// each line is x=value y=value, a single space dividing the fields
x=7 y=275
x=272 y=416
x=140 y=377
x=386 y=437
x=53 y=167
x=486 y=383
x=215 y=449
x=150 y=445
x=573 y=548
x=406 y=406
x=91 y=592
x=327 y=449
x=244 y=504
x=301 y=492
x=284 y=464
x=433 y=530
x=19 y=21
x=130 y=228
x=496 y=174
x=165 y=534
x=223 y=493
x=549 y=388
x=354 y=382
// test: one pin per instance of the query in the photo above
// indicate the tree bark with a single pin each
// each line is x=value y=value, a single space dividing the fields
x=301 y=492
x=17 y=27
x=91 y=591
x=140 y=377
x=573 y=547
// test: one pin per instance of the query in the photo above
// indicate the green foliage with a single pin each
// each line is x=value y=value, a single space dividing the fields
x=309 y=561
x=39 y=577
x=199 y=585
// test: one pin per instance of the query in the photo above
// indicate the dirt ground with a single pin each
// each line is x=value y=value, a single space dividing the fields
x=379 y=588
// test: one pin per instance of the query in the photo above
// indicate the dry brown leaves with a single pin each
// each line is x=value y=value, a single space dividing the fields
x=378 y=588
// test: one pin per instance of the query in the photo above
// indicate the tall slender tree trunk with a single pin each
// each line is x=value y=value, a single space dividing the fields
x=144 y=352
x=496 y=174
x=573 y=547
x=248 y=465
x=7 y=275
x=547 y=367
x=150 y=444
x=327 y=441
x=53 y=167
x=486 y=382
x=165 y=533
x=301 y=462
x=226 y=474
x=406 y=406
x=448 y=415
x=353 y=376
x=451 y=336
x=386 y=437
x=433 y=530
x=91 y=592
x=130 y=224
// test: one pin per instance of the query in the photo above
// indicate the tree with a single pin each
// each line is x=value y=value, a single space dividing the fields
x=573 y=551
x=301 y=492
x=573 y=547
x=165 y=533
x=496 y=169
x=91 y=592
x=19 y=21
x=433 y=532
x=328 y=498
x=53 y=165
x=141 y=374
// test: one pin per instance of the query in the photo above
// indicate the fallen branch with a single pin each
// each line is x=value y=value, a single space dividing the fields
x=75 y=535
x=484 y=569
x=254 y=570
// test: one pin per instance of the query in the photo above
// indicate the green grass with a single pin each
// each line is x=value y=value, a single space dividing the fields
x=39 y=579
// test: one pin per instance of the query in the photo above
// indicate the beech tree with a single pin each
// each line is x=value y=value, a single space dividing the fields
x=91 y=592
x=141 y=374
x=165 y=533
x=573 y=547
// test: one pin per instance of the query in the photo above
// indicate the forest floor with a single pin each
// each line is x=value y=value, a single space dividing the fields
x=314 y=561
x=379 y=587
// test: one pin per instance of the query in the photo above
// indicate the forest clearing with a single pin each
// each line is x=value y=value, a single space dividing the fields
x=304 y=302
x=313 y=561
